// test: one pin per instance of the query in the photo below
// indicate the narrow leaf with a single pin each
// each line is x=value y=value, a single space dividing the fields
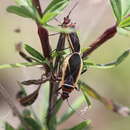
x=32 y=123
x=47 y=17
x=76 y=105
x=21 y=128
x=117 y=9
x=82 y=126
x=22 y=2
x=18 y=65
x=86 y=96
x=53 y=122
x=21 y=11
x=58 y=29
x=91 y=92
x=58 y=105
x=26 y=113
x=54 y=9
x=111 y=105
x=34 y=52
x=8 y=126
x=30 y=99
x=125 y=22
x=113 y=64
x=125 y=8
x=123 y=31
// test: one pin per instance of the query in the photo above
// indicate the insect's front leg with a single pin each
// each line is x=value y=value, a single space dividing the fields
x=76 y=88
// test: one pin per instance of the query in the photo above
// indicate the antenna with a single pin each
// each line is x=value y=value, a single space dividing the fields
x=68 y=13
x=74 y=110
x=73 y=8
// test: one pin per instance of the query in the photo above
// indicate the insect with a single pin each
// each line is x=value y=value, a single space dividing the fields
x=70 y=74
x=70 y=37
x=72 y=65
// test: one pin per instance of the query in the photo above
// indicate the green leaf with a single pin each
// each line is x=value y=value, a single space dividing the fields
x=34 y=52
x=53 y=123
x=91 y=92
x=123 y=31
x=127 y=28
x=81 y=126
x=47 y=17
x=8 y=126
x=109 y=104
x=21 y=128
x=58 y=29
x=32 y=123
x=25 y=9
x=58 y=105
x=86 y=96
x=26 y=113
x=18 y=65
x=56 y=53
x=125 y=22
x=43 y=106
x=21 y=11
x=117 y=9
x=23 y=2
x=125 y=8
x=53 y=9
x=76 y=105
x=113 y=64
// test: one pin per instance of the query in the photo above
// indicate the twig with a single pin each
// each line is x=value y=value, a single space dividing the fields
x=35 y=82
x=42 y=32
x=38 y=7
x=109 y=33
x=44 y=38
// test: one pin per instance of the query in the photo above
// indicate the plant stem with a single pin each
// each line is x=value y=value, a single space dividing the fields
x=42 y=32
x=43 y=35
x=37 y=6
x=108 y=34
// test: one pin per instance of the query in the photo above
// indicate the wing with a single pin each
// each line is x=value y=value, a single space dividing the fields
x=72 y=68
x=75 y=65
x=74 y=44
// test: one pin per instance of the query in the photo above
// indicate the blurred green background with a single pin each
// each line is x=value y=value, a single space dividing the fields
x=92 y=17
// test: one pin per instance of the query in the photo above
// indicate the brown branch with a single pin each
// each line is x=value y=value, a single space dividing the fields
x=36 y=3
x=46 y=48
x=108 y=34
x=35 y=81
x=43 y=35
x=42 y=32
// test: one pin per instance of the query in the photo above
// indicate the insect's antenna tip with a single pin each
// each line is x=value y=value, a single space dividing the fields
x=70 y=105
x=74 y=110
x=73 y=8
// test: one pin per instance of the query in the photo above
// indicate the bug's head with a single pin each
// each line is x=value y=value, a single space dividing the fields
x=64 y=95
x=66 y=20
